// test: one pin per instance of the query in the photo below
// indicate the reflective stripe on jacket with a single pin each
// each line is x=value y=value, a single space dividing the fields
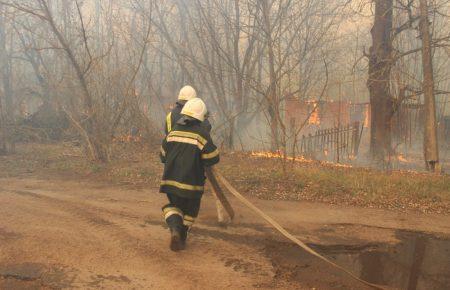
x=186 y=150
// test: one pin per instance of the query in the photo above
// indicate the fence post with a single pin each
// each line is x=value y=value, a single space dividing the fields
x=347 y=137
x=330 y=141
x=338 y=141
x=322 y=140
x=309 y=144
x=353 y=138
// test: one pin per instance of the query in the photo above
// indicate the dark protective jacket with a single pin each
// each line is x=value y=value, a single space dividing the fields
x=175 y=115
x=186 y=150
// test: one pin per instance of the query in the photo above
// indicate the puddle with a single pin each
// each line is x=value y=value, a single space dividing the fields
x=32 y=276
x=6 y=235
x=23 y=272
x=97 y=280
x=418 y=262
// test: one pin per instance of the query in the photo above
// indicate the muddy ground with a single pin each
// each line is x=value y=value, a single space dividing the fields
x=84 y=234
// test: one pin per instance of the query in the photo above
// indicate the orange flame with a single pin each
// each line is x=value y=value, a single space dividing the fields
x=279 y=155
x=314 y=119
x=402 y=158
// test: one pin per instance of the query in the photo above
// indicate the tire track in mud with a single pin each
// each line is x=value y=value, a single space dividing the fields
x=89 y=214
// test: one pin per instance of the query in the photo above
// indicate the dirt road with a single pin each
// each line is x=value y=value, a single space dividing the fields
x=66 y=234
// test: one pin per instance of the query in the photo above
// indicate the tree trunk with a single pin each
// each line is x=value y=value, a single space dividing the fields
x=8 y=108
x=380 y=64
x=7 y=145
x=3 y=129
x=238 y=100
x=430 y=145
x=272 y=98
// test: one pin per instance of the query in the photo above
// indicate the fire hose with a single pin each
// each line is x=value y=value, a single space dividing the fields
x=283 y=231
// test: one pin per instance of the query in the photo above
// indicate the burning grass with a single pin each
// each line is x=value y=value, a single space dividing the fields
x=257 y=174
x=263 y=176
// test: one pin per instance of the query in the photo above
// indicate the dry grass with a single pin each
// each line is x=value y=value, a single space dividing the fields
x=265 y=178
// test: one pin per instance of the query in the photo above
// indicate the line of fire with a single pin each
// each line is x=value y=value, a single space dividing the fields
x=337 y=130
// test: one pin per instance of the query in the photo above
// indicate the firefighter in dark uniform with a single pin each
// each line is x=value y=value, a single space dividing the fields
x=186 y=93
x=185 y=152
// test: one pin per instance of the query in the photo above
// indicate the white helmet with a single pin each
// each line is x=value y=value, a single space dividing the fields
x=187 y=93
x=195 y=108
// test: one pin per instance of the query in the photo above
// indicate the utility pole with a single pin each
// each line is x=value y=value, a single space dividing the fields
x=430 y=145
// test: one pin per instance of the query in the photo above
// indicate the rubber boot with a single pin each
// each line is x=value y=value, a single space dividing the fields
x=175 y=223
x=184 y=234
x=176 y=243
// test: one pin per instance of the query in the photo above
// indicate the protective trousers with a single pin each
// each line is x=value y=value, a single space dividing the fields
x=180 y=213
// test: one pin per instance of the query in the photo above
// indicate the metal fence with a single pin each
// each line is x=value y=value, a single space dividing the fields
x=339 y=143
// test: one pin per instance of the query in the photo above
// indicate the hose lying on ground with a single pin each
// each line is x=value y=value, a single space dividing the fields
x=284 y=232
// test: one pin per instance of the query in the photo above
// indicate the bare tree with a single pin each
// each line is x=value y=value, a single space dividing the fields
x=380 y=64
x=394 y=49
x=6 y=93
x=431 y=153
x=89 y=107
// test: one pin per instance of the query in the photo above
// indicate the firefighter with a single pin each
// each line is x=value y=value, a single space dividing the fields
x=186 y=93
x=185 y=152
